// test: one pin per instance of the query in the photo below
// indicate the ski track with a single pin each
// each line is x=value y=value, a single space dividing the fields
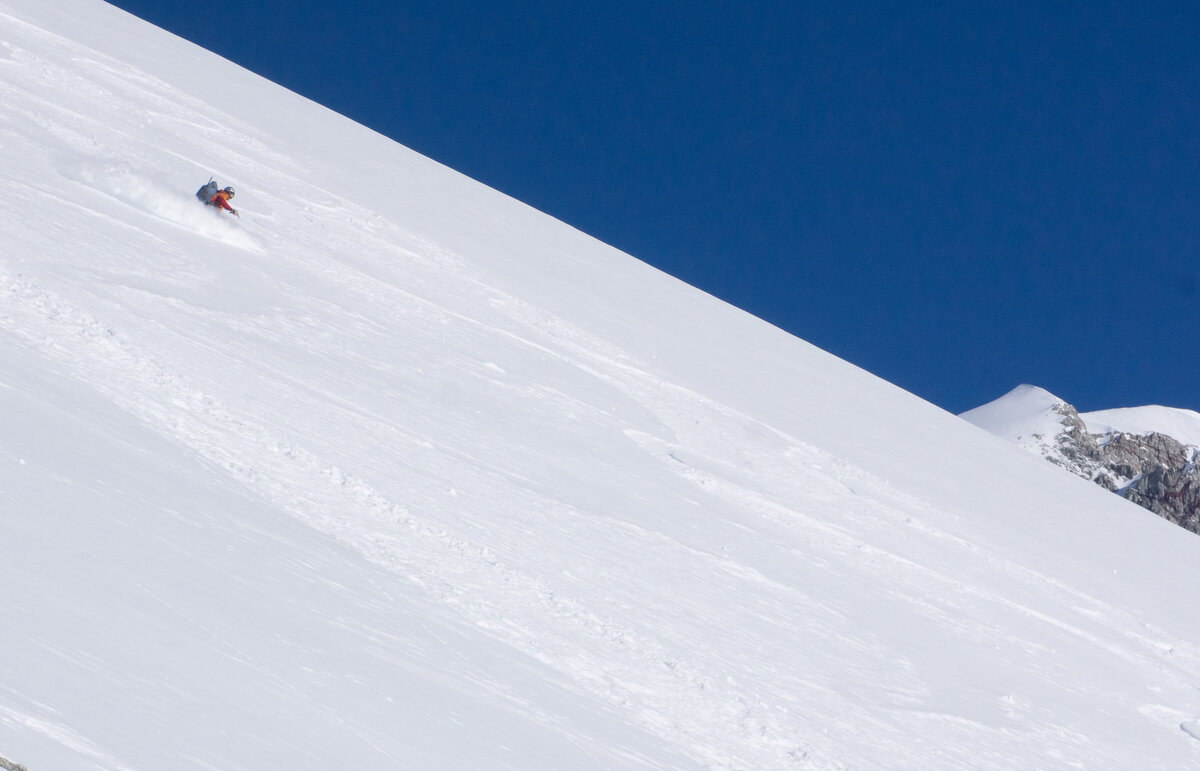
x=56 y=732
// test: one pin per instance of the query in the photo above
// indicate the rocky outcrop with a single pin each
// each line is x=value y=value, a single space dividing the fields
x=1173 y=494
x=1074 y=448
x=8 y=765
x=1155 y=471
x=1130 y=456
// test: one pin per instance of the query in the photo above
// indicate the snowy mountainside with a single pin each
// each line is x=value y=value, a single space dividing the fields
x=397 y=472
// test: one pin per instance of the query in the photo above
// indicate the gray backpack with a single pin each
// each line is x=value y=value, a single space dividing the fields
x=206 y=193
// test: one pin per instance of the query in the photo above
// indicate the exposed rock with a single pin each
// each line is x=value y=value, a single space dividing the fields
x=1170 y=493
x=8 y=765
x=1154 y=471
x=1134 y=456
x=1073 y=447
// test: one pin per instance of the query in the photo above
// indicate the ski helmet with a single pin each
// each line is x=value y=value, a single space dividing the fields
x=231 y=192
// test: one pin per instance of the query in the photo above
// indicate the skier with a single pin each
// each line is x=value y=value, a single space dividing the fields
x=221 y=198
x=210 y=195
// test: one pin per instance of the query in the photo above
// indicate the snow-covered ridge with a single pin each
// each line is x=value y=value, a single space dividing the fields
x=396 y=472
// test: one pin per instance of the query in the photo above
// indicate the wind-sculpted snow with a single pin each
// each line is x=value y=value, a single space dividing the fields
x=396 y=472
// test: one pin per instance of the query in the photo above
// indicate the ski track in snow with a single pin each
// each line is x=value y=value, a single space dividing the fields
x=60 y=734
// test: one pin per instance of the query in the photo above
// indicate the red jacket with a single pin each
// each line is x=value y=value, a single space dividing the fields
x=221 y=200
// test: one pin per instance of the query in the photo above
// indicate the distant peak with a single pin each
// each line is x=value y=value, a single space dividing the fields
x=1025 y=399
x=1027 y=391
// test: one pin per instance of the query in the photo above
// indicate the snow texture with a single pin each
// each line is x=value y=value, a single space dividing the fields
x=396 y=472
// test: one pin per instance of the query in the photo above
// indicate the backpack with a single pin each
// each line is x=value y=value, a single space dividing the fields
x=206 y=193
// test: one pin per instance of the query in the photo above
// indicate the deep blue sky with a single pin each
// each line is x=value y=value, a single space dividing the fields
x=958 y=199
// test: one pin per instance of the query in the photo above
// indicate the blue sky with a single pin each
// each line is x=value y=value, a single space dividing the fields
x=958 y=199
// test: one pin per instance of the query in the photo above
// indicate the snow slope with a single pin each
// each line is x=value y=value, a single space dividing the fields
x=396 y=472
